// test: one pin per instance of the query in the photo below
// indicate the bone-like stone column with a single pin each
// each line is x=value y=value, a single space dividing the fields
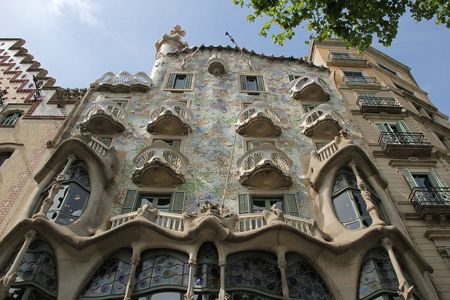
x=405 y=291
x=135 y=259
x=284 y=282
x=8 y=279
x=190 y=290
x=371 y=208
x=56 y=186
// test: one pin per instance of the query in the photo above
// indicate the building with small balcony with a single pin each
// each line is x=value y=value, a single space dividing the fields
x=311 y=88
x=405 y=144
x=170 y=118
x=346 y=59
x=258 y=120
x=369 y=103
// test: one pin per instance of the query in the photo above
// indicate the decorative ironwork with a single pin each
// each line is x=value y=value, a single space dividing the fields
x=361 y=80
x=402 y=138
x=431 y=199
x=38 y=86
x=111 y=278
x=257 y=272
x=2 y=94
x=303 y=281
x=369 y=100
x=341 y=56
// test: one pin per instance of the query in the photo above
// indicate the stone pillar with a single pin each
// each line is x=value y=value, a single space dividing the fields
x=405 y=291
x=8 y=279
x=190 y=290
x=135 y=259
x=222 y=294
x=371 y=208
x=56 y=186
x=284 y=282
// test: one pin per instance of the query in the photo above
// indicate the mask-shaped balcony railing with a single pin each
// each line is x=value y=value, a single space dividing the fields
x=105 y=117
x=322 y=121
x=265 y=167
x=259 y=120
x=432 y=201
x=309 y=88
x=123 y=82
x=405 y=144
x=346 y=59
x=170 y=118
x=375 y=104
x=160 y=165
x=362 y=81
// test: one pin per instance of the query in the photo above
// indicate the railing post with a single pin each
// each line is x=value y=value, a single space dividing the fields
x=405 y=291
x=371 y=208
x=135 y=259
x=56 y=186
x=8 y=279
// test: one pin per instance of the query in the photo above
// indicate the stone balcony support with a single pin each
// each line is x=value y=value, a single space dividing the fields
x=258 y=120
x=171 y=118
x=104 y=117
x=321 y=122
x=309 y=88
x=265 y=167
x=160 y=165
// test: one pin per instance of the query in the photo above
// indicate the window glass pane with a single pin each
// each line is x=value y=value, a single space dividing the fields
x=422 y=180
x=166 y=296
x=344 y=207
x=258 y=205
x=353 y=74
x=180 y=81
x=252 y=83
x=362 y=208
x=163 y=204
x=75 y=200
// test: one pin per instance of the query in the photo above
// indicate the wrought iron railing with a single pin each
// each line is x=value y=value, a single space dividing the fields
x=361 y=80
x=402 y=138
x=369 y=100
x=333 y=56
x=438 y=197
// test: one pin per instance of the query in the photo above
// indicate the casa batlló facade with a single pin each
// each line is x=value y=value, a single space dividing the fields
x=227 y=174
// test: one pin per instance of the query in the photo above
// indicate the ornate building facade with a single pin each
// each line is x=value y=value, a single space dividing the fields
x=234 y=175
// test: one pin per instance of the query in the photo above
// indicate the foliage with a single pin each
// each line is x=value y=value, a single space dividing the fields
x=354 y=21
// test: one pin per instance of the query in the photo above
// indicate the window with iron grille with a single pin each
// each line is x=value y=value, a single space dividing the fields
x=10 y=119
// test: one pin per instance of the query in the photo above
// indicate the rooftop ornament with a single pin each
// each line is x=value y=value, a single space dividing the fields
x=246 y=59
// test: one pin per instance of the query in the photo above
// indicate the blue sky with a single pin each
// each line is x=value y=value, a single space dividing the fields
x=79 y=40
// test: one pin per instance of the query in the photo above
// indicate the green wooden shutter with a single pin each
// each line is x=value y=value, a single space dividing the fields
x=409 y=178
x=290 y=205
x=402 y=126
x=171 y=81
x=244 y=203
x=129 y=203
x=291 y=77
x=188 y=81
x=436 y=178
x=243 y=83
x=260 y=83
x=177 y=202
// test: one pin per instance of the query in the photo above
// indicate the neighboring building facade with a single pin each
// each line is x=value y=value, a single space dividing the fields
x=30 y=119
x=224 y=174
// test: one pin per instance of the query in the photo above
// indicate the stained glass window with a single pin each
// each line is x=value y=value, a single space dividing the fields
x=207 y=274
x=162 y=270
x=378 y=279
x=36 y=274
x=111 y=278
x=70 y=201
x=303 y=281
x=256 y=272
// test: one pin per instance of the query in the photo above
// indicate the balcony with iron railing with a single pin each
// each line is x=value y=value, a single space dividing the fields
x=322 y=122
x=160 y=165
x=310 y=88
x=405 y=144
x=375 y=104
x=346 y=59
x=105 y=117
x=431 y=201
x=265 y=167
x=362 y=82
x=171 y=117
x=258 y=120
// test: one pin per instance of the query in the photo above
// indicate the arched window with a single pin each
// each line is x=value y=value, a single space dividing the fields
x=378 y=280
x=162 y=275
x=10 y=118
x=303 y=281
x=253 y=275
x=110 y=280
x=207 y=274
x=70 y=201
x=349 y=205
x=36 y=274
x=4 y=155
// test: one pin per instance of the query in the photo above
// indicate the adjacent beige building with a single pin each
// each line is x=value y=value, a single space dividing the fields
x=227 y=174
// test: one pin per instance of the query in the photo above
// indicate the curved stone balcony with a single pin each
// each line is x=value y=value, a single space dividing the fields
x=104 y=117
x=170 y=118
x=159 y=165
x=309 y=88
x=322 y=122
x=265 y=167
x=123 y=82
x=259 y=120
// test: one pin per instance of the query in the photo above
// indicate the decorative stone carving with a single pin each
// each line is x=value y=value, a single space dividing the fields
x=323 y=122
x=224 y=216
x=123 y=82
x=148 y=212
x=216 y=66
x=171 y=42
x=258 y=120
x=273 y=216
x=170 y=118
x=311 y=88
